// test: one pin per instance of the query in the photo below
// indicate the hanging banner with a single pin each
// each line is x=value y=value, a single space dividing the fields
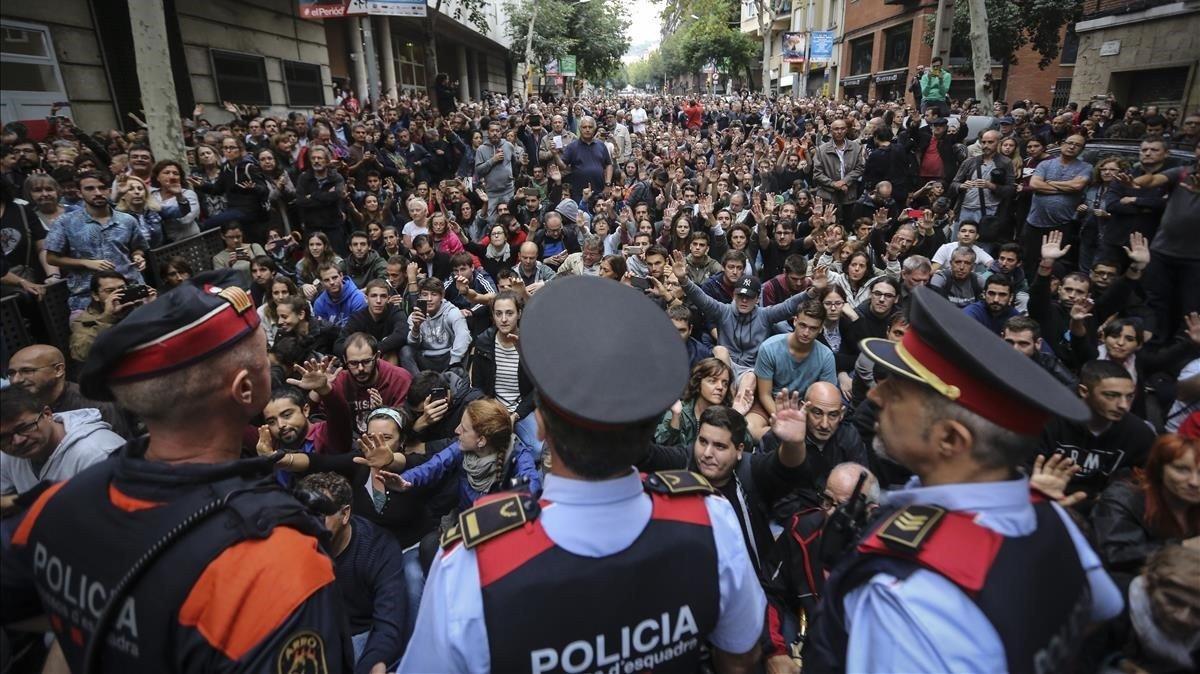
x=552 y=67
x=793 y=47
x=566 y=66
x=822 y=46
x=323 y=9
x=396 y=7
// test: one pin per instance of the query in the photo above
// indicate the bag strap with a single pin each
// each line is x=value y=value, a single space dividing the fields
x=982 y=197
x=30 y=244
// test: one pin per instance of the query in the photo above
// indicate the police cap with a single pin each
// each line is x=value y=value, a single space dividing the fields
x=204 y=315
x=962 y=360
x=634 y=365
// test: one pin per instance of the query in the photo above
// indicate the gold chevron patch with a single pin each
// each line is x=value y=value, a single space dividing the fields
x=909 y=528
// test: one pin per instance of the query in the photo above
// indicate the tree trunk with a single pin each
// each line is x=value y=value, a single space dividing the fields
x=981 y=55
x=1002 y=90
x=431 y=60
x=764 y=27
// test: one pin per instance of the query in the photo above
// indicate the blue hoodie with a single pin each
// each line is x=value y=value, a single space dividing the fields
x=338 y=311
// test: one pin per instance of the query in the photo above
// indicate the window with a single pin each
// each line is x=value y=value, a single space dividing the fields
x=410 y=65
x=860 y=55
x=1062 y=93
x=27 y=61
x=240 y=78
x=1070 y=46
x=896 y=46
x=303 y=84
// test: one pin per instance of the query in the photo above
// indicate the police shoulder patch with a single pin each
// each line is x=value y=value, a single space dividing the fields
x=908 y=528
x=450 y=536
x=303 y=653
x=488 y=520
x=678 y=483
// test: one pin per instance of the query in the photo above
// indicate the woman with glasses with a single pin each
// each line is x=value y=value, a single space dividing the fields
x=1095 y=220
x=245 y=188
x=836 y=329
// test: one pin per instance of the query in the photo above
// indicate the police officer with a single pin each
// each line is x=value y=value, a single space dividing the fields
x=966 y=571
x=176 y=556
x=607 y=571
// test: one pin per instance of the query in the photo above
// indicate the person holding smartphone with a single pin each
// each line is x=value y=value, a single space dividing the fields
x=494 y=165
x=237 y=253
x=438 y=336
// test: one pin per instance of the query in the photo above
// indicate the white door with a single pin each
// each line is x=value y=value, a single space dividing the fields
x=29 y=72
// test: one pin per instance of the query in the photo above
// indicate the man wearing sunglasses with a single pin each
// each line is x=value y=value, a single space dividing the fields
x=39 y=444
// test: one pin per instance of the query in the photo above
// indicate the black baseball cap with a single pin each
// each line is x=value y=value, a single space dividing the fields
x=748 y=287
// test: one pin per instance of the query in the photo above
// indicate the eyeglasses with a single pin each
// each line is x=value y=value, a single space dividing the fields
x=883 y=295
x=25 y=372
x=832 y=305
x=24 y=430
x=356 y=364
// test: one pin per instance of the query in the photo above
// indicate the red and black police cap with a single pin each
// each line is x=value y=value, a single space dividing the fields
x=959 y=358
x=204 y=315
x=600 y=353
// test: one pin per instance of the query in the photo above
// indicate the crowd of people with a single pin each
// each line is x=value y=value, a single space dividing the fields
x=389 y=254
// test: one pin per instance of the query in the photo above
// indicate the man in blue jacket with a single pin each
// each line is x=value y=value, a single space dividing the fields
x=340 y=299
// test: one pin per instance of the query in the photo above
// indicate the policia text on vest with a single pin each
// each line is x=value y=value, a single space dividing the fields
x=644 y=646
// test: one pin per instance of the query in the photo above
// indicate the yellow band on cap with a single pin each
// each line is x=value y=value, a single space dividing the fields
x=935 y=382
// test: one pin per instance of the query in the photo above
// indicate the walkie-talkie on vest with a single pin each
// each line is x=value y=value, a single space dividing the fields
x=845 y=525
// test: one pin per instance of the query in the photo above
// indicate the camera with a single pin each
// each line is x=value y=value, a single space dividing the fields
x=998 y=176
x=135 y=292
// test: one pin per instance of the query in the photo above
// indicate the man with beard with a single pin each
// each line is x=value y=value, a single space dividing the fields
x=369 y=382
x=1008 y=262
x=494 y=164
x=94 y=239
x=1025 y=335
x=959 y=283
x=286 y=425
x=364 y=265
x=107 y=308
x=995 y=307
x=341 y=297
x=1057 y=186
x=873 y=314
x=41 y=370
x=960 y=408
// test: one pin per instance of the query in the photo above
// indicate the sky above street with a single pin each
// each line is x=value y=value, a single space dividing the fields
x=644 y=27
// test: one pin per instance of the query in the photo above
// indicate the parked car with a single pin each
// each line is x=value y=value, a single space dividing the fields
x=1128 y=150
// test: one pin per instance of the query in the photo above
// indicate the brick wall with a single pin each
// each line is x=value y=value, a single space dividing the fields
x=1095 y=8
x=1026 y=80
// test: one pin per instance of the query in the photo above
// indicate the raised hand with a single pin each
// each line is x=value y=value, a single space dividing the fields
x=789 y=423
x=266 y=444
x=1052 y=248
x=820 y=277
x=1138 y=251
x=394 y=481
x=375 y=452
x=316 y=375
x=679 y=266
x=1192 y=328
x=1051 y=476
x=1081 y=310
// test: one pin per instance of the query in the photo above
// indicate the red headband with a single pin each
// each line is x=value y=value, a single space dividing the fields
x=976 y=395
x=219 y=328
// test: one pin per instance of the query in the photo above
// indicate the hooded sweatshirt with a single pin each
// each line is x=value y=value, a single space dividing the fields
x=373 y=267
x=444 y=332
x=338 y=311
x=88 y=440
x=742 y=333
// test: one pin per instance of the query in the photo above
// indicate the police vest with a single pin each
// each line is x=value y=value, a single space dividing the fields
x=87 y=535
x=1032 y=589
x=640 y=609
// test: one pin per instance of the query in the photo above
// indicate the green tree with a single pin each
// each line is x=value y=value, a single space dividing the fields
x=711 y=39
x=1014 y=25
x=593 y=32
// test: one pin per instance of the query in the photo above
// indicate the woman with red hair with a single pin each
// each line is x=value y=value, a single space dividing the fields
x=1160 y=506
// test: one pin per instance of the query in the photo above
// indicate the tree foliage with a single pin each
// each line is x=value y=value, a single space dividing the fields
x=695 y=43
x=593 y=32
x=1015 y=25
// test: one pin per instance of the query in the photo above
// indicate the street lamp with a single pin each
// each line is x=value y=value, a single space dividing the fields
x=529 y=47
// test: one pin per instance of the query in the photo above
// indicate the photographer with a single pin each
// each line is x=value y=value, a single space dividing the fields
x=985 y=185
x=237 y=254
x=112 y=299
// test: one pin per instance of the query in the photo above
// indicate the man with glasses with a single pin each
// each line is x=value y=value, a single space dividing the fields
x=1057 y=186
x=369 y=382
x=38 y=444
x=587 y=160
x=41 y=371
x=873 y=314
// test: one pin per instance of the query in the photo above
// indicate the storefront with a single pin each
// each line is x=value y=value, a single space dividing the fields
x=856 y=85
x=890 y=84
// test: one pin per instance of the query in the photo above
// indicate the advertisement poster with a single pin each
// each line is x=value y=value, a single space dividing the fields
x=822 y=46
x=793 y=47
x=566 y=66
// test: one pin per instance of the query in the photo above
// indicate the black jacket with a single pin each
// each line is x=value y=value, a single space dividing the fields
x=1123 y=445
x=390 y=330
x=250 y=201
x=1123 y=539
x=320 y=203
x=483 y=372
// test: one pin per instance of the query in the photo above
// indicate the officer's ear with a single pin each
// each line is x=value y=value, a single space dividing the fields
x=951 y=438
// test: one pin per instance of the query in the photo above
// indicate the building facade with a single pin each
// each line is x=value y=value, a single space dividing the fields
x=801 y=16
x=1144 y=52
x=252 y=52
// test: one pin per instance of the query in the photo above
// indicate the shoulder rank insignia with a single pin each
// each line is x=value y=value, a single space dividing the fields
x=678 y=483
x=488 y=520
x=908 y=528
x=450 y=536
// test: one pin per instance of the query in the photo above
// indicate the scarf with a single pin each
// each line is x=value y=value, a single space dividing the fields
x=480 y=470
x=499 y=254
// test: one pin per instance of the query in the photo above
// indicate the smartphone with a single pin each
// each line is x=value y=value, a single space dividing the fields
x=439 y=393
x=422 y=305
x=640 y=282
x=915 y=213
x=135 y=292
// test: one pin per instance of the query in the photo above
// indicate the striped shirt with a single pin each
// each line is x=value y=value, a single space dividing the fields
x=508 y=385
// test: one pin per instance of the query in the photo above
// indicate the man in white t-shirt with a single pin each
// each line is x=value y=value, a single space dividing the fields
x=638 y=118
x=968 y=234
